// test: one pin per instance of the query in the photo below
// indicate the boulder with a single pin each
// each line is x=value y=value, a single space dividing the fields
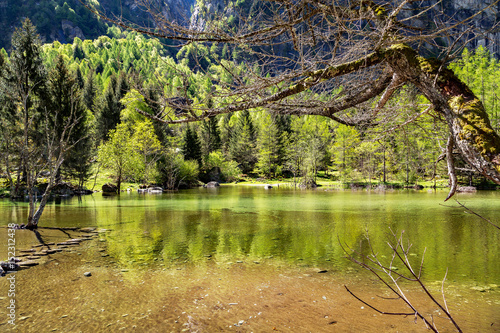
x=467 y=189
x=71 y=31
x=155 y=189
x=109 y=188
x=64 y=189
x=9 y=266
x=83 y=191
x=212 y=184
x=308 y=183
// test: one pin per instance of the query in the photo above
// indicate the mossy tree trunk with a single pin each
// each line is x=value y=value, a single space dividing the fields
x=464 y=113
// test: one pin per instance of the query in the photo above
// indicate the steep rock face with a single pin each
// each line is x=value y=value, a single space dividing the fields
x=458 y=10
x=71 y=31
x=205 y=10
x=178 y=10
x=56 y=21
x=482 y=22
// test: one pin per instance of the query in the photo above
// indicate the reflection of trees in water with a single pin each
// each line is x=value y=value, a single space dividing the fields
x=147 y=231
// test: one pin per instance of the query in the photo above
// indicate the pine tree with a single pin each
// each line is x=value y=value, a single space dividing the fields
x=242 y=145
x=24 y=83
x=66 y=102
x=269 y=145
x=191 y=148
x=109 y=109
x=225 y=133
x=210 y=136
x=90 y=92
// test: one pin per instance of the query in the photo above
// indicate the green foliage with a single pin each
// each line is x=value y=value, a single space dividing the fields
x=65 y=102
x=189 y=171
x=191 y=149
x=479 y=70
x=105 y=69
x=343 y=150
x=146 y=144
x=210 y=136
x=308 y=146
x=118 y=154
x=229 y=170
x=270 y=145
x=242 y=146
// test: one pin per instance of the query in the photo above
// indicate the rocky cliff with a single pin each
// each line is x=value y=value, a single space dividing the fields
x=483 y=24
x=64 y=20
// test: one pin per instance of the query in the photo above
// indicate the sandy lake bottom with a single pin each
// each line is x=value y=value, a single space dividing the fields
x=214 y=296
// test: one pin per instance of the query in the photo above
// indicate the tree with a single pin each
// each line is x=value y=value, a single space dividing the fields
x=242 y=145
x=270 y=145
x=191 y=149
x=90 y=91
x=118 y=154
x=369 y=48
x=110 y=106
x=64 y=101
x=210 y=136
x=343 y=150
x=45 y=133
x=147 y=145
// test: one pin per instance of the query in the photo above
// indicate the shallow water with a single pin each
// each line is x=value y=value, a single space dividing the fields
x=243 y=242
x=296 y=227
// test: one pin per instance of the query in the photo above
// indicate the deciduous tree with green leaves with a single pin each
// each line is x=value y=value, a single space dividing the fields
x=118 y=154
x=369 y=48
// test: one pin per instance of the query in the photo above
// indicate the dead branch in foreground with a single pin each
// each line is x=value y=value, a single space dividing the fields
x=390 y=278
x=470 y=211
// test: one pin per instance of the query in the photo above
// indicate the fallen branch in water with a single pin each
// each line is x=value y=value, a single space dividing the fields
x=470 y=211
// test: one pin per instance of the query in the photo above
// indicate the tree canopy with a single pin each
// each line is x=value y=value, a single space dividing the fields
x=346 y=60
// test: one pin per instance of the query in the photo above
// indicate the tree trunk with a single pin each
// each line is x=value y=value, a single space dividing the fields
x=467 y=119
x=119 y=181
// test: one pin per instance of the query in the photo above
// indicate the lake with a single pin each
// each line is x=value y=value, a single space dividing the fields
x=246 y=235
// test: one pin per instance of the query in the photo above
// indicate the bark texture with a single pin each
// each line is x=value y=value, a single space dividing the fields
x=464 y=113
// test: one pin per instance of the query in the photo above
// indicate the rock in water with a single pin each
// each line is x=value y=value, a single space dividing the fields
x=9 y=266
x=109 y=188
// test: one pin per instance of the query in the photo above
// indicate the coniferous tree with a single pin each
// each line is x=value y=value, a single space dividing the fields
x=90 y=92
x=45 y=132
x=191 y=148
x=109 y=109
x=269 y=146
x=242 y=145
x=225 y=133
x=79 y=78
x=24 y=83
x=66 y=102
x=210 y=136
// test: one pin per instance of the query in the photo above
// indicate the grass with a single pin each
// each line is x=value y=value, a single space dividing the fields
x=330 y=179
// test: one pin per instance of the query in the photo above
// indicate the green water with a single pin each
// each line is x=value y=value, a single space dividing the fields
x=286 y=227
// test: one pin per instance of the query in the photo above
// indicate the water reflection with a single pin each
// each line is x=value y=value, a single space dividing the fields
x=231 y=224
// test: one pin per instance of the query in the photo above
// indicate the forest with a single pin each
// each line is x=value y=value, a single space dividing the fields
x=100 y=84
